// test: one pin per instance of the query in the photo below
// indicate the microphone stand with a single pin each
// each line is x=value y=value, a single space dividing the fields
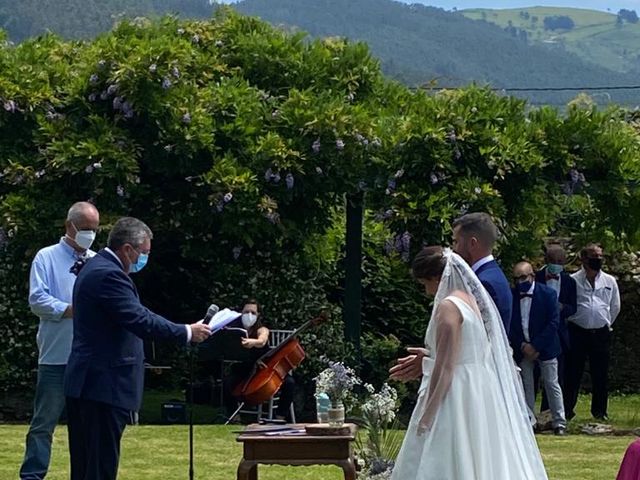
x=192 y=350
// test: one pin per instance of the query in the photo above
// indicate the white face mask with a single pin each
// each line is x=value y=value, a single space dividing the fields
x=84 y=238
x=249 y=319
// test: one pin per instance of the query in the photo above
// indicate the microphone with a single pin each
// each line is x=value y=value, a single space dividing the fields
x=211 y=311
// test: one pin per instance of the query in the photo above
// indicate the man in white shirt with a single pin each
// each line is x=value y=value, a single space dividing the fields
x=598 y=305
x=50 y=287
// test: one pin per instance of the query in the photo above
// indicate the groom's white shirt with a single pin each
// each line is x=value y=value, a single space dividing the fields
x=481 y=262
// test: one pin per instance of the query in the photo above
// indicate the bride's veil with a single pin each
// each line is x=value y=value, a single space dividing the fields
x=457 y=275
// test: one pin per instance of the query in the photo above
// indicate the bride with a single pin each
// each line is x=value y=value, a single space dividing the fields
x=471 y=420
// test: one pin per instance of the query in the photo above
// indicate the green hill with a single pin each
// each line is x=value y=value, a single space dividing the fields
x=415 y=44
x=418 y=44
x=597 y=37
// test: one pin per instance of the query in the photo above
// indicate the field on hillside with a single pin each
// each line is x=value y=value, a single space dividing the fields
x=595 y=38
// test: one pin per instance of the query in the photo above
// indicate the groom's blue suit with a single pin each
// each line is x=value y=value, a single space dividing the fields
x=493 y=279
x=105 y=371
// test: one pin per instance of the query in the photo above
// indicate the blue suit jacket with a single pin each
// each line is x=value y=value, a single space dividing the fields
x=492 y=277
x=543 y=323
x=568 y=299
x=109 y=323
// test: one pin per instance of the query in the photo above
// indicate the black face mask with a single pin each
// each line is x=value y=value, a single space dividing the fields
x=594 y=263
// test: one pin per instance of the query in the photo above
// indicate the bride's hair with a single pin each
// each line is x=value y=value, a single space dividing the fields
x=429 y=263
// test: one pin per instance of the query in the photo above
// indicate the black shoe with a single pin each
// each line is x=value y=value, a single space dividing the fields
x=603 y=418
x=570 y=415
x=560 y=431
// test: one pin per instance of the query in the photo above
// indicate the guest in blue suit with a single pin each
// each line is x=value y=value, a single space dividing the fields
x=104 y=375
x=534 y=339
x=554 y=276
x=474 y=236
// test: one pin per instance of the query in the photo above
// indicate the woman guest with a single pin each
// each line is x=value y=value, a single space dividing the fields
x=257 y=340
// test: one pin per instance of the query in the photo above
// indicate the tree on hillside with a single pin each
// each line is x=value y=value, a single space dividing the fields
x=558 y=22
x=628 y=16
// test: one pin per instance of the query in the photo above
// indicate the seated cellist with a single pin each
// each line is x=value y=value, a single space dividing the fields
x=257 y=340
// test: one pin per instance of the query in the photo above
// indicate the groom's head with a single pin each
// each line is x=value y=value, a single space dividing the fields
x=474 y=235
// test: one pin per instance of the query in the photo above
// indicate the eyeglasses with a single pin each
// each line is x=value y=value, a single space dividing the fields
x=523 y=278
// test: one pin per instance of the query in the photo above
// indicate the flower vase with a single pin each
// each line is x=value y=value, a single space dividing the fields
x=336 y=414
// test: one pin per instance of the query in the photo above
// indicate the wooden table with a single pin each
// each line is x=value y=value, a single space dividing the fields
x=295 y=450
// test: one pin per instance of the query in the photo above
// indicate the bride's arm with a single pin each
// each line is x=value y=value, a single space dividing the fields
x=448 y=341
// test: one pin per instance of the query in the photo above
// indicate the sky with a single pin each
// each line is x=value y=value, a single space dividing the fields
x=613 y=5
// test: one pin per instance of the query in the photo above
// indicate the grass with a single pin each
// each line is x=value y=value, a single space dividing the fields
x=595 y=37
x=161 y=452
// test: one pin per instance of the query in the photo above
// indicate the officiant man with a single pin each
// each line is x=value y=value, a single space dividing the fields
x=534 y=339
x=104 y=375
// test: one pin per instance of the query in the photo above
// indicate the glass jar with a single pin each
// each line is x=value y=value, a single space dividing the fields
x=336 y=414
x=322 y=407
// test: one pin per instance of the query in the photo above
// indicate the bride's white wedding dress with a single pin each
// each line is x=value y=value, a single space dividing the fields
x=481 y=429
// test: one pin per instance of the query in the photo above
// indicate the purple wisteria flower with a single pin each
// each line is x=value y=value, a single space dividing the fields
x=376 y=142
x=186 y=118
x=339 y=144
x=219 y=43
x=457 y=154
x=195 y=38
x=275 y=114
x=104 y=95
x=175 y=72
x=93 y=79
x=316 y=146
x=153 y=68
x=10 y=106
x=289 y=181
x=273 y=217
x=40 y=173
x=166 y=83
x=318 y=170
x=451 y=136
x=220 y=206
x=236 y=252
x=276 y=177
x=180 y=31
x=399 y=173
x=117 y=103
x=477 y=190
x=433 y=178
x=89 y=169
x=112 y=89
x=267 y=174
x=92 y=97
x=227 y=197
x=120 y=191
x=102 y=63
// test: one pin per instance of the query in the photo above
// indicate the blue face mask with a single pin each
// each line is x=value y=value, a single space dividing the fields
x=524 y=287
x=140 y=263
x=555 y=268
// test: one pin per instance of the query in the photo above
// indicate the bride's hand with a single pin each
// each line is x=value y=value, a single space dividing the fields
x=425 y=424
x=410 y=367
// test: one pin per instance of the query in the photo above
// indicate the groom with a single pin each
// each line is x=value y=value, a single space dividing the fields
x=474 y=236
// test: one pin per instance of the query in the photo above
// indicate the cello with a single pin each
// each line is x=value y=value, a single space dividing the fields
x=271 y=369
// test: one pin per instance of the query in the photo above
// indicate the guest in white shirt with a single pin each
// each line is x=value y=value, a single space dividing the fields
x=598 y=305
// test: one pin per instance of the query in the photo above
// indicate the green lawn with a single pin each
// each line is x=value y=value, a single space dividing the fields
x=161 y=452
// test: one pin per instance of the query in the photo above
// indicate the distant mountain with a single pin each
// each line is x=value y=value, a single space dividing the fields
x=415 y=44
x=597 y=37
x=419 y=44
x=601 y=5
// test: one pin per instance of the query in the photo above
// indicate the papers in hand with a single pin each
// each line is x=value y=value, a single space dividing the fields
x=223 y=318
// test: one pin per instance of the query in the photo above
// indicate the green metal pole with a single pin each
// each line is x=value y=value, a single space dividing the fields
x=353 y=269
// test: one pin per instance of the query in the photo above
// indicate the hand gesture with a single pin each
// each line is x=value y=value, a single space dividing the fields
x=529 y=352
x=248 y=342
x=410 y=367
x=199 y=332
